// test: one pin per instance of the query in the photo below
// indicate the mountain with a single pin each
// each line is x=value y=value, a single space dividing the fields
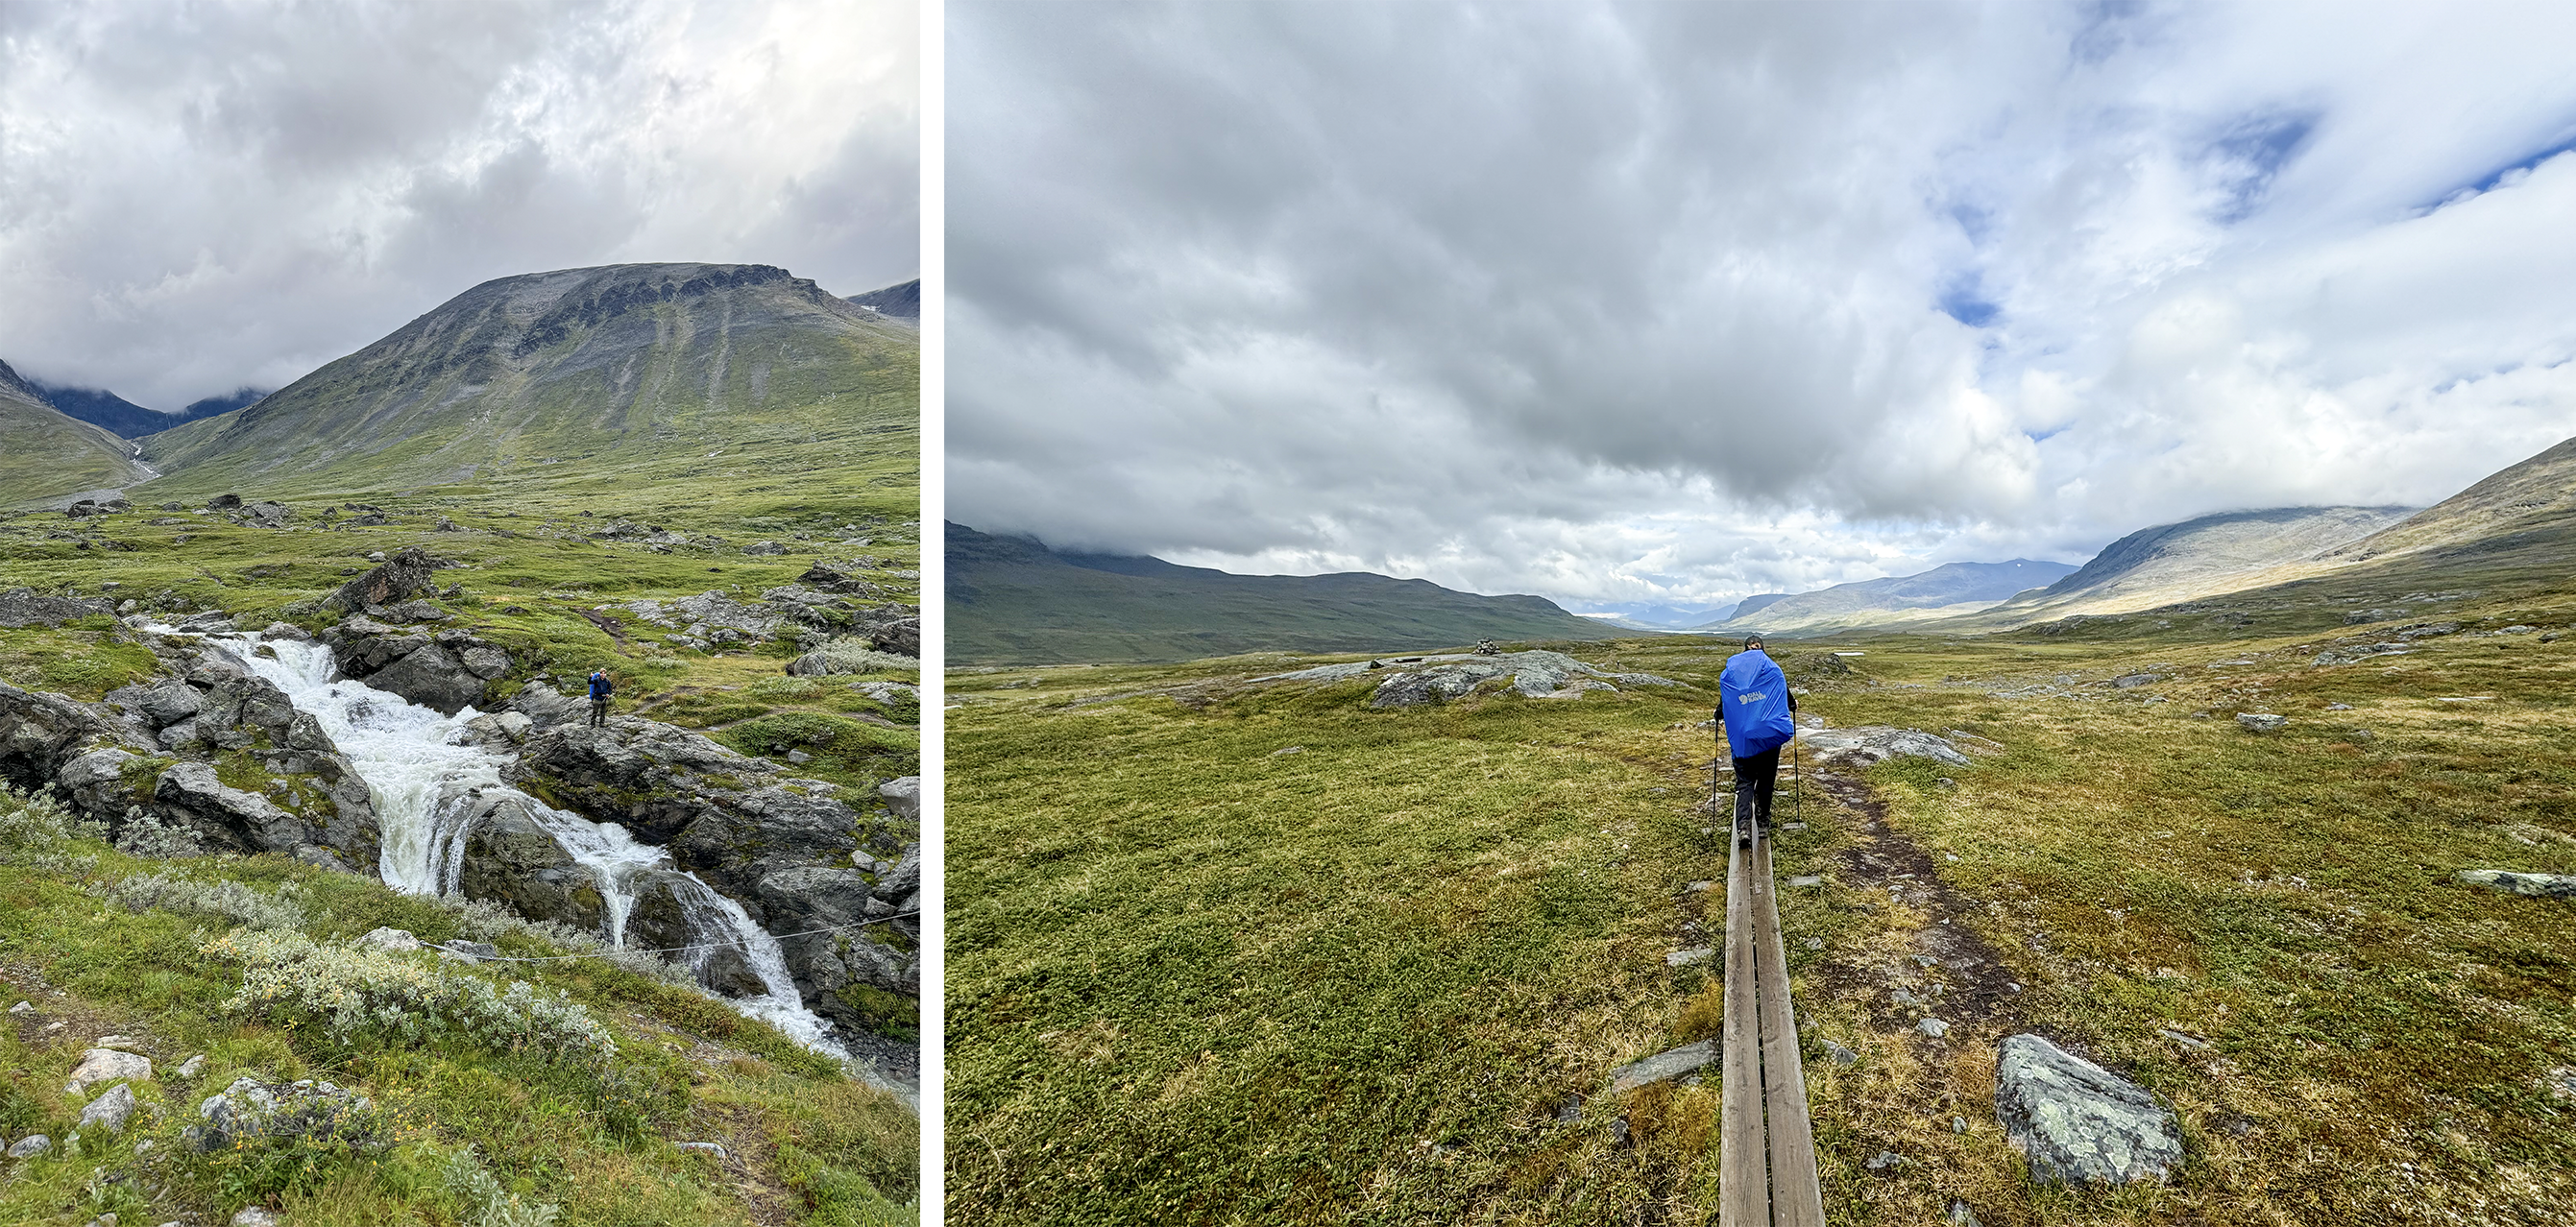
x=46 y=455
x=2535 y=495
x=578 y=370
x=1945 y=590
x=2507 y=538
x=1751 y=603
x=901 y=301
x=2196 y=558
x=1011 y=600
x=102 y=408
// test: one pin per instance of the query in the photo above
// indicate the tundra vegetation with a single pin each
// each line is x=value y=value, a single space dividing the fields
x=1230 y=951
x=497 y=1090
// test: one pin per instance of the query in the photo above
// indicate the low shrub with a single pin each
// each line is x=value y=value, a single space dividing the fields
x=373 y=995
x=146 y=836
x=850 y=654
x=487 y=1204
x=224 y=899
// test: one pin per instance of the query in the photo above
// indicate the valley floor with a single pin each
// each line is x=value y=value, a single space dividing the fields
x=1227 y=952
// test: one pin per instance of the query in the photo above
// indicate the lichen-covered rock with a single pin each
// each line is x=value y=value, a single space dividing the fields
x=107 y=1065
x=250 y=1109
x=2078 y=1123
x=1869 y=744
x=22 y=607
x=110 y=1111
x=544 y=706
x=432 y=678
x=659 y=920
x=409 y=573
x=2537 y=885
x=1427 y=680
x=511 y=859
x=1664 y=1066
x=730 y=818
x=903 y=797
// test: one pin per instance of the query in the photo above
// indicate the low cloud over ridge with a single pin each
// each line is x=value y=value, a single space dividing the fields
x=1678 y=303
x=197 y=197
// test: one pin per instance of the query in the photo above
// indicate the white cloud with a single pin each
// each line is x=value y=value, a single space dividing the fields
x=195 y=197
x=1645 y=302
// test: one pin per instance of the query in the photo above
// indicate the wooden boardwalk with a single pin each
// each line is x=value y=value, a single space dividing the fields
x=1766 y=1149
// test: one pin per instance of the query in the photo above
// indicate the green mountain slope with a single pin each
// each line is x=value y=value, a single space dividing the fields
x=45 y=454
x=2537 y=495
x=1014 y=601
x=2507 y=538
x=2194 y=558
x=620 y=369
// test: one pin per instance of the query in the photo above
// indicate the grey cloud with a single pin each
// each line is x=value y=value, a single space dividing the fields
x=1623 y=301
x=199 y=196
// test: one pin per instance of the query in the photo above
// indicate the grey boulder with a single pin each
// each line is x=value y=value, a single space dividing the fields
x=109 y=1111
x=107 y=1065
x=2537 y=885
x=1663 y=1066
x=2078 y=1123
x=1870 y=744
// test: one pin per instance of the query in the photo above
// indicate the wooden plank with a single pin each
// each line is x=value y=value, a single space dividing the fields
x=1797 y=1199
x=1743 y=1180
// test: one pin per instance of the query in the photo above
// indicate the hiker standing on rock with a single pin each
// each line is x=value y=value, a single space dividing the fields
x=1760 y=716
x=599 y=691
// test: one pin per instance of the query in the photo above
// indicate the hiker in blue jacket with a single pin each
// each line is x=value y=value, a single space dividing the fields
x=1760 y=716
x=599 y=691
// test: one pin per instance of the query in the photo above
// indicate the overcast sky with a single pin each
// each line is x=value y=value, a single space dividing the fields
x=1634 y=303
x=198 y=195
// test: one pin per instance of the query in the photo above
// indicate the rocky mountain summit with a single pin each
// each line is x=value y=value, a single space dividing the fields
x=595 y=367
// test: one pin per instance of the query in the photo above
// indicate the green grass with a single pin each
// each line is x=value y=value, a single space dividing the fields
x=1193 y=981
x=528 y=573
x=810 y=1146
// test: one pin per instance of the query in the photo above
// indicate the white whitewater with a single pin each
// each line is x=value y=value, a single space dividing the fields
x=423 y=784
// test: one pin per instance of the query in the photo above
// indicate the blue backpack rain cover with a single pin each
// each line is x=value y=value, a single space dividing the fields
x=1753 y=698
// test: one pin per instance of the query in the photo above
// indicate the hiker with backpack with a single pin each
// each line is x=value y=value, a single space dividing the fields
x=1760 y=716
x=600 y=689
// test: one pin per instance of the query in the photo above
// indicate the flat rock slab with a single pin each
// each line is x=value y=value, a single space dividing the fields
x=107 y=1065
x=2539 y=885
x=1663 y=1066
x=2079 y=1123
x=1871 y=744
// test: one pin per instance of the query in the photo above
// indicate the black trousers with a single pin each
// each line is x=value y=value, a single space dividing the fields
x=1755 y=777
x=599 y=716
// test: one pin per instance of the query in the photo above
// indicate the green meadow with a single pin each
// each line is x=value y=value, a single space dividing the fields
x=1235 y=953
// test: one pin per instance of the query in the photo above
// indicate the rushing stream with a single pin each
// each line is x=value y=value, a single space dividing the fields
x=423 y=785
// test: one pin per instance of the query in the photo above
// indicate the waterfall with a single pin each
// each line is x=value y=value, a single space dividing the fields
x=426 y=788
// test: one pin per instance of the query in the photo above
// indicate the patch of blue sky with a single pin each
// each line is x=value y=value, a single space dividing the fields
x=2043 y=436
x=1974 y=222
x=2506 y=174
x=2104 y=27
x=2250 y=153
x=1963 y=298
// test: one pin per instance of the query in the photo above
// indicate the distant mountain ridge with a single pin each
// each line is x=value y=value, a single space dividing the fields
x=1012 y=600
x=592 y=367
x=901 y=301
x=106 y=410
x=1895 y=599
x=46 y=454
x=2167 y=563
